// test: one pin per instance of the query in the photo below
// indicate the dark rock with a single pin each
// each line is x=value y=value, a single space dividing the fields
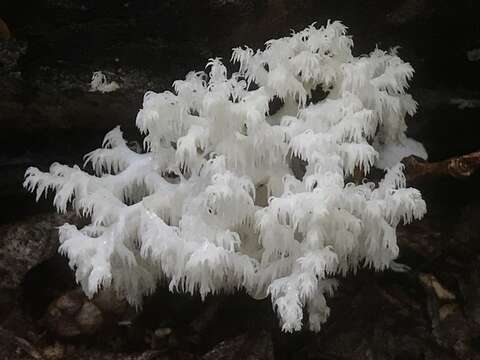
x=10 y=53
x=89 y=318
x=247 y=346
x=13 y=347
x=26 y=244
x=73 y=314
x=55 y=351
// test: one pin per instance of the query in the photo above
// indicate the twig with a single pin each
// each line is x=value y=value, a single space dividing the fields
x=418 y=170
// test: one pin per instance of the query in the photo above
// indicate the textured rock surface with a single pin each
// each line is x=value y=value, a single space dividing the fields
x=26 y=244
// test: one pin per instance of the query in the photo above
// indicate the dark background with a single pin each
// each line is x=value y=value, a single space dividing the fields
x=47 y=114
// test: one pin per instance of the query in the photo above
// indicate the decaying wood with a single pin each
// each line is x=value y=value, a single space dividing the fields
x=418 y=170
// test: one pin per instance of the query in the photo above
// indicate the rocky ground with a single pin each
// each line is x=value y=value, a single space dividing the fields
x=430 y=312
x=48 y=52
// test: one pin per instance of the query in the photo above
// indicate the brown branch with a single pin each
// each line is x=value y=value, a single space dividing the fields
x=417 y=170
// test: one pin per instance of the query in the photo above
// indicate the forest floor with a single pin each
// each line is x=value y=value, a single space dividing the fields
x=431 y=311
